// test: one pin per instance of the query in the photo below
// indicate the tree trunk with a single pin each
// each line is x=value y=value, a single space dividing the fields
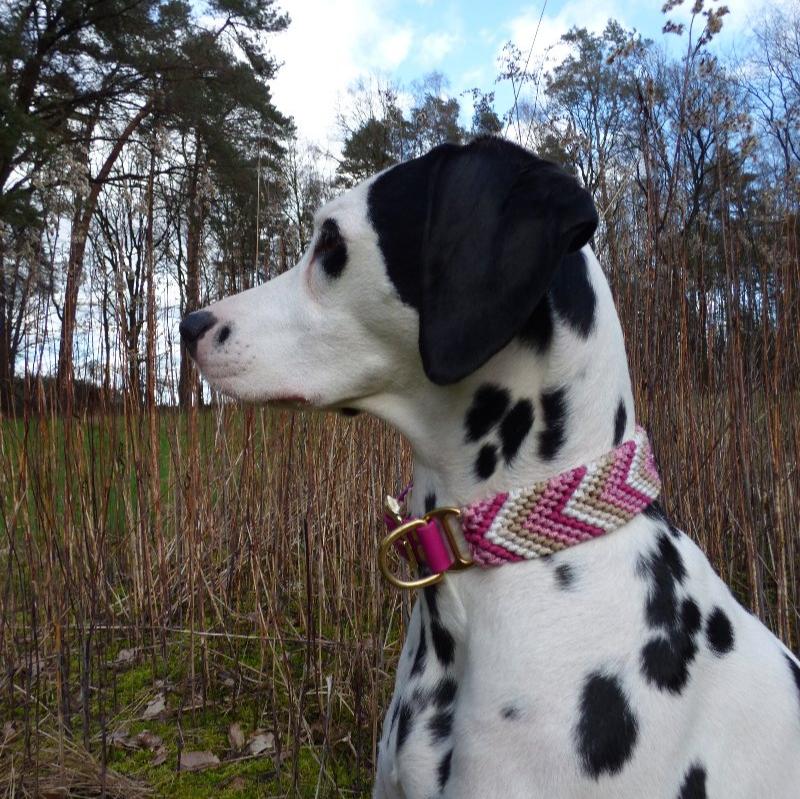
x=77 y=250
x=188 y=384
x=6 y=360
x=14 y=293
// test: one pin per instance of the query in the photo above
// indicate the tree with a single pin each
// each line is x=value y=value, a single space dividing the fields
x=366 y=151
x=772 y=79
x=434 y=117
x=485 y=121
x=231 y=126
x=61 y=63
x=377 y=133
x=588 y=101
x=71 y=69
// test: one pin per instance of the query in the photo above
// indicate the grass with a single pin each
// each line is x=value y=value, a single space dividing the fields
x=206 y=560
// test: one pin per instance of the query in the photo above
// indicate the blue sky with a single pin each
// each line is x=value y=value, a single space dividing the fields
x=331 y=43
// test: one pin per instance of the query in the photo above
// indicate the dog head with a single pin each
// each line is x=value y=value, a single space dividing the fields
x=421 y=273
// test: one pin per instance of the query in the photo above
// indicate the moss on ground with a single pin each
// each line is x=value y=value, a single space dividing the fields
x=206 y=729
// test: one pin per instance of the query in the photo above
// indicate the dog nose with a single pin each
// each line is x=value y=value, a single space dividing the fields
x=194 y=325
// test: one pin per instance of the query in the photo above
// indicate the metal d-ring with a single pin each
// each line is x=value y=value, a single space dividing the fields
x=443 y=515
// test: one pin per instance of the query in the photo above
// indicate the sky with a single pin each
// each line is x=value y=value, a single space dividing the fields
x=331 y=43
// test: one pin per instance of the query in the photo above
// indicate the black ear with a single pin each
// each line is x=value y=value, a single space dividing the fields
x=499 y=223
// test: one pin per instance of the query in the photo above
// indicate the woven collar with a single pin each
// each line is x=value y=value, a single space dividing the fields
x=572 y=507
x=568 y=509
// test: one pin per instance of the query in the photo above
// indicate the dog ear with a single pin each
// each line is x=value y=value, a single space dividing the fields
x=499 y=223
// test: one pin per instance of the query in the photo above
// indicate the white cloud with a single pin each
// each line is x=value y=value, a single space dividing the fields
x=742 y=16
x=436 y=46
x=542 y=39
x=393 y=49
x=326 y=48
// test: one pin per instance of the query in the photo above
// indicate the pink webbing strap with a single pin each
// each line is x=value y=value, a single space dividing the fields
x=429 y=543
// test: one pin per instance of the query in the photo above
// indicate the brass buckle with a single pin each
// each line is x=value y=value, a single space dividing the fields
x=444 y=515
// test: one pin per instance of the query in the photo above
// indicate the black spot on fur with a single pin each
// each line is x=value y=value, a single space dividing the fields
x=422 y=648
x=404 y=725
x=430 y=502
x=690 y=616
x=795 y=669
x=655 y=511
x=694 y=784
x=444 y=769
x=538 y=330
x=666 y=661
x=443 y=643
x=572 y=294
x=565 y=575
x=486 y=462
x=620 y=420
x=554 y=407
x=330 y=249
x=223 y=334
x=488 y=406
x=514 y=427
x=445 y=692
x=400 y=235
x=441 y=725
x=664 y=568
x=395 y=713
x=607 y=729
x=510 y=712
x=349 y=411
x=719 y=632
x=431 y=600
x=665 y=658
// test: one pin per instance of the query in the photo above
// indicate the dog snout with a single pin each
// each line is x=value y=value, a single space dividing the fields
x=194 y=326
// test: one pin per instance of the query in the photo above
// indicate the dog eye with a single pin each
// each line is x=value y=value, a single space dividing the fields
x=330 y=249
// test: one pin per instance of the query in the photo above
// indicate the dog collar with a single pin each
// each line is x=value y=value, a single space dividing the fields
x=572 y=507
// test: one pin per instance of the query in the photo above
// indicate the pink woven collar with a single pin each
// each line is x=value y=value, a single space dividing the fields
x=568 y=509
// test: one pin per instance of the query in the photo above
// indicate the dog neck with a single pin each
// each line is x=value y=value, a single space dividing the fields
x=559 y=395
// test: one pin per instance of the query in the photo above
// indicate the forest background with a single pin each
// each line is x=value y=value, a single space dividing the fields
x=184 y=603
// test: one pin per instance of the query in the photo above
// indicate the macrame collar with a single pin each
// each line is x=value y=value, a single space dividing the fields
x=572 y=507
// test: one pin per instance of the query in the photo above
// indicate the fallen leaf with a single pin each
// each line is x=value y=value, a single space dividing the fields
x=261 y=742
x=149 y=740
x=194 y=761
x=236 y=736
x=237 y=784
x=9 y=730
x=159 y=756
x=121 y=739
x=195 y=703
x=155 y=707
x=125 y=656
x=227 y=679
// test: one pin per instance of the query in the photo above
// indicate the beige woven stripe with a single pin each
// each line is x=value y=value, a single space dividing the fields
x=529 y=541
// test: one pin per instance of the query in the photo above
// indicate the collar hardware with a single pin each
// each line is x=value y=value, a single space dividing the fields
x=428 y=544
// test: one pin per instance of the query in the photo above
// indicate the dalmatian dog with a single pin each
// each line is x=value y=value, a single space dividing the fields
x=456 y=296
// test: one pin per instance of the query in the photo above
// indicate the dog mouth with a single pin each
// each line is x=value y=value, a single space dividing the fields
x=288 y=401
x=232 y=383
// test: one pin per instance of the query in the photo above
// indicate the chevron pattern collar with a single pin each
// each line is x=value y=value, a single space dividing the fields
x=572 y=507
